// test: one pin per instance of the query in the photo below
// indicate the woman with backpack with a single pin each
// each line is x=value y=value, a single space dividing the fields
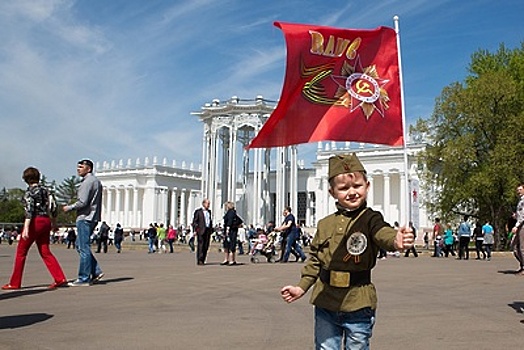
x=231 y=224
x=40 y=215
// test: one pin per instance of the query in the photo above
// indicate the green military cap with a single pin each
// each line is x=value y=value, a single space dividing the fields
x=346 y=163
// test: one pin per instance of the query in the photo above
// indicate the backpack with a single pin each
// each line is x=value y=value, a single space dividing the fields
x=237 y=221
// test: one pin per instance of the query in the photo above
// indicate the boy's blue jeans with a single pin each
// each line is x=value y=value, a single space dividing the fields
x=353 y=329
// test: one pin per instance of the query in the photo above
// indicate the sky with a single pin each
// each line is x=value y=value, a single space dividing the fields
x=111 y=80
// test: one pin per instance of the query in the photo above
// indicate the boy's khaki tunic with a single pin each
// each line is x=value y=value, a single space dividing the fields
x=328 y=249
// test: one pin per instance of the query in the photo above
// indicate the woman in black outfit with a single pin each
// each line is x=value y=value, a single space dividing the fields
x=231 y=232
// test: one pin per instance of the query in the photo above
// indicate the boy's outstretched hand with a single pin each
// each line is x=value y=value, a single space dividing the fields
x=404 y=239
x=291 y=293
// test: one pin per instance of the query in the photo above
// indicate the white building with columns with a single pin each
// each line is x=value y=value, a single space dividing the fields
x=260 y=181
x=148 y=191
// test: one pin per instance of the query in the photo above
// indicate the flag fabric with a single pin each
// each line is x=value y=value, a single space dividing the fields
x=340 y=85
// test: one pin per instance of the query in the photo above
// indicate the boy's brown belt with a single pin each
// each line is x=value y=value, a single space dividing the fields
x=345 y=279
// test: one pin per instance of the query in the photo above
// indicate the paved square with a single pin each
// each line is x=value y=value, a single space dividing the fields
x=165 y=301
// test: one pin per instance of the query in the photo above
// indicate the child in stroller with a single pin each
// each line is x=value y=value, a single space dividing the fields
x=264 y=245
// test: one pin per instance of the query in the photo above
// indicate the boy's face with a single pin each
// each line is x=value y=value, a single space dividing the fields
x=350 y=190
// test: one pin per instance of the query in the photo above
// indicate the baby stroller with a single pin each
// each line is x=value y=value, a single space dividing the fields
x=264 y=245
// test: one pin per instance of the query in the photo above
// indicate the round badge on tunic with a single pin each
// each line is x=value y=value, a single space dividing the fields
x=357 y=243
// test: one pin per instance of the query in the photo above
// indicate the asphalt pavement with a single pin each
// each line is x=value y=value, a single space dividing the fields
x=166 y=301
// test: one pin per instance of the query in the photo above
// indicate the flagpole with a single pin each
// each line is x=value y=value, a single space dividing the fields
x=406 y=169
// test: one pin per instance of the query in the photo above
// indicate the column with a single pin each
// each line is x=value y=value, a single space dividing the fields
x=136 y=219
x=126 y=220
x=371 y=192
x=256 y=189
x=163 y=206
x=173 y=218
x=205 y=162
x=404 y=215
x=183 y=216
x=109 y=205
x=387 y=197
x=233 y=161
x=293 y=181
x=118 y=207
x=216 y=205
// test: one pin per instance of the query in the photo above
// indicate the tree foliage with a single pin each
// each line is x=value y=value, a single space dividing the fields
x=476 y=140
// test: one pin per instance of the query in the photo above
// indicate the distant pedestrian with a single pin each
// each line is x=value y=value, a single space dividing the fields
x=478 y=236
x=88 y=208
x=40 y=215
x=119 y=237
x=171 y=237
x=161 y=237
x=464 y=235
x=289 y=227
x=489 y=238
x=448 y=241
x=517 y=242
x=438 y=232
x=231 y=223
x=203 y=227
x=412 y=249
x=151 y=238
x=103 y=237
x=71 y=238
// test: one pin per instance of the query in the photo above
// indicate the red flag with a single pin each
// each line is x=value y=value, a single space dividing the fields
x=340 y=85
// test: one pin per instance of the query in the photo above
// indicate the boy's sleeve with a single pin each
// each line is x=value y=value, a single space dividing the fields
x=311 y=270
x=384 y=234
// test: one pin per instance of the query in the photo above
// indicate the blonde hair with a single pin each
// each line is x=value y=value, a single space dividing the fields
x=229 y=205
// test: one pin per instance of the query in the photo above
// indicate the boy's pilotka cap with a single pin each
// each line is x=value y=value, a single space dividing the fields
x=343 y=164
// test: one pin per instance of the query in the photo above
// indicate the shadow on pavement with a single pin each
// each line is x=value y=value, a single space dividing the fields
x=21 y=292
x=17 y=321
x=114 y=280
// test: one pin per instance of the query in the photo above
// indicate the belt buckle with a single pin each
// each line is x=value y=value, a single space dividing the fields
x=339 y=279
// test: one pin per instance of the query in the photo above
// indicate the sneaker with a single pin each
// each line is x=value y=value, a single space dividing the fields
x=98 y=277
x=232 y=263
x=224 y=263
x=78 y=283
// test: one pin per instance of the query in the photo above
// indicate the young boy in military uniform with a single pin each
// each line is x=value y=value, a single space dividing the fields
x=342 y=254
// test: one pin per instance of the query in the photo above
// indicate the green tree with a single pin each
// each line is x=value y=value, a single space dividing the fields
x=66 y=193
x=11 y=207
x=476 y=140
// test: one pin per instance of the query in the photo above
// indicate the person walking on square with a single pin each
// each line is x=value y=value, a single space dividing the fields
x=231 y=224
x=161 y=234
x=71 y=238
x=103 y=237
x=202 y=228
x=292 y=236
x=517 y=241
x=40 y=215
x=342 y=254
x=412 y=249
x=489 y=238
x=119 y=237
x=448 y=241
x=88 y=208
x=478 y=236
x=171 y=237
x=151 y=238
x=464 y=235
x=438 y=232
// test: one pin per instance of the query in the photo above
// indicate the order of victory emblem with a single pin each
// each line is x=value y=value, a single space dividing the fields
x=357 y=243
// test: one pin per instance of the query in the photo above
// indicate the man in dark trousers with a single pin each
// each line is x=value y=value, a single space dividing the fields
x=202 y=227
x=103 y=236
